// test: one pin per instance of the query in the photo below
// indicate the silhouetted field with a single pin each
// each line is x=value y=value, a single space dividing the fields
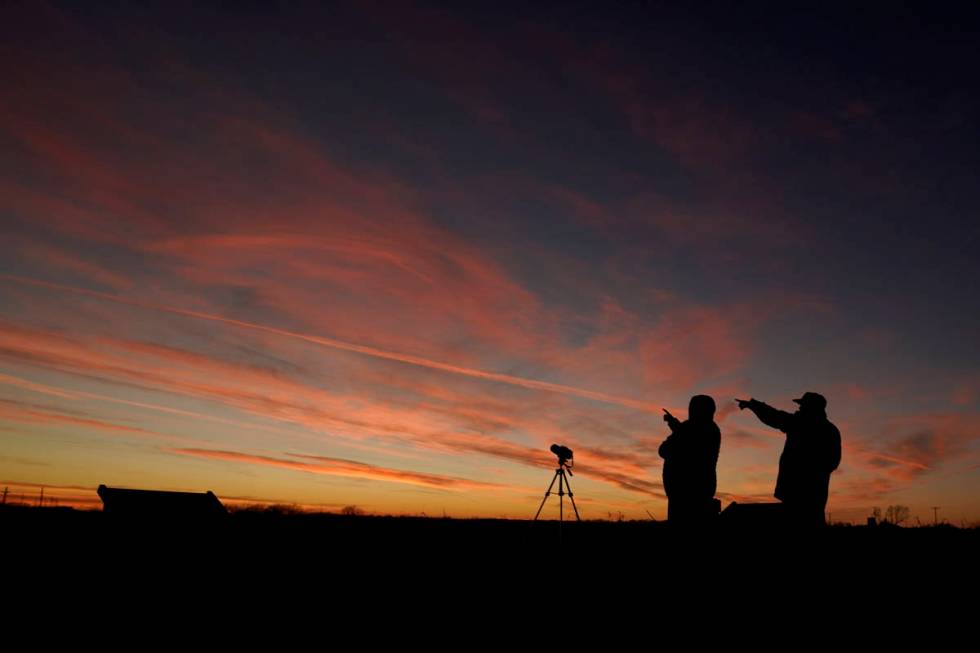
x=350 y=568
x=398 y=572
x=267 y=537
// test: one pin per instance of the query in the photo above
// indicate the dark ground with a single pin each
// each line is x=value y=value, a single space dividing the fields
x=257 y=537
x=262 y=560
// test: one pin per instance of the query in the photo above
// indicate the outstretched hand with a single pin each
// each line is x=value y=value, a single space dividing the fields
x=743 y=403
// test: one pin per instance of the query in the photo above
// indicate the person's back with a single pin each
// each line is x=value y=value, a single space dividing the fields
x=811 y=454
x=690 y=456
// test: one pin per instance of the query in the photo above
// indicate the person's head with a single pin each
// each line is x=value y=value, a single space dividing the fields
x=701 y=409
x=812 y=404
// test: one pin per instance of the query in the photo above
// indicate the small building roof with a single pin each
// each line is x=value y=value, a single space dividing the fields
x=159 y=503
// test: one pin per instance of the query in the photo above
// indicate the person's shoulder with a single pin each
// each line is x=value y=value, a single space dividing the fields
x=715 y=435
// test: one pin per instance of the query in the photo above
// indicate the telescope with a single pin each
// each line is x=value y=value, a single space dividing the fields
x=565 y=462
x=564 y=455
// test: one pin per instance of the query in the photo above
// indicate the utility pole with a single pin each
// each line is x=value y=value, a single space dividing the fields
x=935 y=515
x=40 y=502
x=5 y=495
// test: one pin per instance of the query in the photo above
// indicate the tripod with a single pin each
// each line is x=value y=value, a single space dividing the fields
x=562 y=478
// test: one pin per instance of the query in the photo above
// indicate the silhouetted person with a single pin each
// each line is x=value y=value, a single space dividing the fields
x=690 y=455
x=811 y=453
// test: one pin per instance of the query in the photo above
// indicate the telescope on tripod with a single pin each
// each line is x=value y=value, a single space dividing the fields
x=566 y=461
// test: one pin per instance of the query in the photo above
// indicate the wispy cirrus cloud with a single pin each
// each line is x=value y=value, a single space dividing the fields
x=360 y=349
x=345 y=468
x=432 y=424
x=33 y=414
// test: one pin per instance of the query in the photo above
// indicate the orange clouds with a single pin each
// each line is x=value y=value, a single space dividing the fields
x=906 y=452
x=37 y=415
x=361 y=349
x=434 y=424
x=344 y=468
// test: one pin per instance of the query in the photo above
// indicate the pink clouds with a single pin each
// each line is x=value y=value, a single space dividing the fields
x=695 y=343
x=356 y=348
x=946 y=434
x=57 y=258
x=418 y=277
x=39 y=415
x=343 y=468
x=35 y=387
x=359 y=240
x=432 y=425
x=908 y=452
x=930 y=440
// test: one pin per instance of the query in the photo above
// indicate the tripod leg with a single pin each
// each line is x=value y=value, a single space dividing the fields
x=561 y=502
x=546 y=494
x=572 y=498
x=561 y=496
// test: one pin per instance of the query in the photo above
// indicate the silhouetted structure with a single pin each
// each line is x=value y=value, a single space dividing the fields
x=564 y=470
x=811 y=453
x=690 y=455
x=159 y=504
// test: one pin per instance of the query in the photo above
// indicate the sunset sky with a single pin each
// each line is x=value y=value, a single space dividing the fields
x=385 y=254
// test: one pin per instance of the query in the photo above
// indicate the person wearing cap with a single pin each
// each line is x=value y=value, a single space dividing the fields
x=690 y=456
x=811 y=453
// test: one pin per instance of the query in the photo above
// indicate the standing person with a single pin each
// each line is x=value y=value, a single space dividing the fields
x=690 y=455
x=811 y=453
